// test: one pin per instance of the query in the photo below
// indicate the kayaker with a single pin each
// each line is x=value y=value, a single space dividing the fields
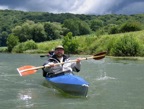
x=58 y=57
x=50 y=53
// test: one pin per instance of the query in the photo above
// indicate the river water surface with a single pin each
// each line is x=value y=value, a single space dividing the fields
x=114 y=84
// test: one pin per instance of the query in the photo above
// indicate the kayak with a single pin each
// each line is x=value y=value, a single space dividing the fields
x=67 y=82
x=70 y=84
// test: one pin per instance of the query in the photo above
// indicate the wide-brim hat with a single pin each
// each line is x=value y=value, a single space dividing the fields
x=59 y=47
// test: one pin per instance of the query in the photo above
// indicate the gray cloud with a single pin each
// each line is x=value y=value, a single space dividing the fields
x=76 y=6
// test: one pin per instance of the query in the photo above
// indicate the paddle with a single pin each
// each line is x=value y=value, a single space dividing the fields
x=28 y=69
x=50 y=53
x=44 y=55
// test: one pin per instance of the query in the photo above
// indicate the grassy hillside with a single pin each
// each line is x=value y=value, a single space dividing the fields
x=132 y=42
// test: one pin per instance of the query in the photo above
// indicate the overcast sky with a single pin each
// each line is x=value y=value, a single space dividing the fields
x=97 y=7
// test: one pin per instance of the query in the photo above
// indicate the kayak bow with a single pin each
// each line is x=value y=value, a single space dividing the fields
x=69 y=84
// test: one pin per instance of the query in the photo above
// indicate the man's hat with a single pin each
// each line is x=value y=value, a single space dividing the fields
x=59 y=47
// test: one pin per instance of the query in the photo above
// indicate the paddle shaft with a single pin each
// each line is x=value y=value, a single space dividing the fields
x=40 y=67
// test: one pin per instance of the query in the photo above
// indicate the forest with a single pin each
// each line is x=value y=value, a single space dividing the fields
x=18 y=27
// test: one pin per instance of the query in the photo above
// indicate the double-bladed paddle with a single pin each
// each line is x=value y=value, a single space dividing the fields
x=44 y=55
x=28 y=69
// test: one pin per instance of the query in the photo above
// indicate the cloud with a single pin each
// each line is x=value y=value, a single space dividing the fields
x=76 y=6
x=3 y=7
x=132 y=8
x=96 y=7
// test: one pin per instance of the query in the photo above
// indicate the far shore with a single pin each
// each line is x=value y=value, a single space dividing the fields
x=114 y=57
x=126 y=57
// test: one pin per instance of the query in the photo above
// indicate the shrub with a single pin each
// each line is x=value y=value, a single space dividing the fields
x=70 y=44
x=3 y=49
x=12 y=41
x=28 y=45
x=18 y=48
x=126 y=46
x=130 y=26
x=113 y=30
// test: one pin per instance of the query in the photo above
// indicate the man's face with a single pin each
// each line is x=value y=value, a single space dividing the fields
x=59 y=52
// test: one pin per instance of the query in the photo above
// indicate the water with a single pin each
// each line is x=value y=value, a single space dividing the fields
x=114 y=84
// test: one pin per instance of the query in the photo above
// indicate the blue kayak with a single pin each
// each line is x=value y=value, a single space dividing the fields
x=70 y=84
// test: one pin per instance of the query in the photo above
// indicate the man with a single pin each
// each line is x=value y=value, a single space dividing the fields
x=59 y=57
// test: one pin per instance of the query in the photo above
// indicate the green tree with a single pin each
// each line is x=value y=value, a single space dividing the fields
x=53 y=30
x=30 y=30
x=24 y=32
x=96 y=24
x=72 y=25
x=70 y=44
x=131 y=26
x=113 y=29
x=77 y=26
x=84 y=28
x=3 y=38
x=38 y=33
x=12 y=41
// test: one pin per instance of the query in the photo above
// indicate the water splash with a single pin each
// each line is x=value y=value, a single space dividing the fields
x=25 y=95
x=103 y=76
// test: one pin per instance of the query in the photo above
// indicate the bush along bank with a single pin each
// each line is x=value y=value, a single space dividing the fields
x=125 y=44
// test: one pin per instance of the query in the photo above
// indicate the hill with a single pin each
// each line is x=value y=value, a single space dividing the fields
x=123 y=44
x=93 y=33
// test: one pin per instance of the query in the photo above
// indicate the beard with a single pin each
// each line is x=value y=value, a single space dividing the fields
x=59 y=55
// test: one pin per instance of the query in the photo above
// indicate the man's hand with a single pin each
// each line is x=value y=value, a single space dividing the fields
x=78 y=60
x=51 y=64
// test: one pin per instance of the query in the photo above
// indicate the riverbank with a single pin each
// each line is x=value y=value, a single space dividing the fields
x=3 y=49
x=124 y=45
x=126 y=58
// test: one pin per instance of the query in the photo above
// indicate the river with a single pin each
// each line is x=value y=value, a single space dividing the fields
x=114 y=84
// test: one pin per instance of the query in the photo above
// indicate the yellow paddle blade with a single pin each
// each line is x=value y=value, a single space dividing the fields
x=29 y=70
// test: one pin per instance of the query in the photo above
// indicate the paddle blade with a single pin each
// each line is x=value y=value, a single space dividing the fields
x=44 y=55
x=26 y=70
x=99 y=56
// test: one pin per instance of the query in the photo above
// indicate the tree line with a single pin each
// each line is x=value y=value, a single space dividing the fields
x=22 y=26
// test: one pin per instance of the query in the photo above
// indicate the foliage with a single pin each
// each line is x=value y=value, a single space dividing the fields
x=72 y=25
x=77 y=26
x=92 y=44
x=53 y=30
x=3 y=49
x=96 y=24
x=70 y=44
x=113 y=29
x=3 y=38
x=48 y=45
x=126 y=46
x=28 y=45
x=30 y=30
x=12 y=41
x=38 y=33
x=131 y=26
x=43 y=26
